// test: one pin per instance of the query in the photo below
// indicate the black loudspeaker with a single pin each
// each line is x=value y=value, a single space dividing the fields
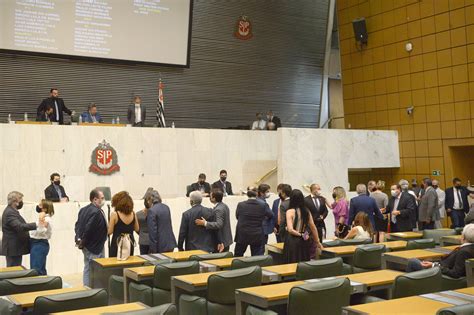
x=360 y=30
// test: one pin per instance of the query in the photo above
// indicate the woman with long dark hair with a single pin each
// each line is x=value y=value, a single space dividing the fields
x=300 y=228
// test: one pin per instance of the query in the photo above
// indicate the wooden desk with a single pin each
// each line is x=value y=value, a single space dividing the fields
x=107 y=309
x=28 y=122
x=402 y=257
x=8 y=269
x=450 y=240
x=26 y=300
x=137 y=274
x=102 y=125
x=102 y=268
x=470 y=272
x=405 y=236
x=349 y=250
x=216 y=264
x=410 y=305
x=278 y=273
x=195 y=284
x=184 y=255
x=275 y=248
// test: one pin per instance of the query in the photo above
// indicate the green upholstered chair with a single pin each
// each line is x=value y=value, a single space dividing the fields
x=9 y=308
x=458 y=230
x=356 y=241
x=165 y=309
x=221 y=292
x=368 y=258
x=323 y=268
x=244 y=262
x=466 y=309
x=22 y=285
x=70 y=301
x=333 y=243
x=448 y=283
x=416 y=283
x=436 y=234
x=18 y=274
x=211 y=256
x=421 y=243
x=253 y=310
x=160 y=293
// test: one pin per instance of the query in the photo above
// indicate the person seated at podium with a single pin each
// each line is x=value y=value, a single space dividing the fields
x=260 y=123
x=136 y=113
x=91 y=116
x=46 y=114
x=55 y=192
x=223 y=184
x=201 y=186
x=58 y=107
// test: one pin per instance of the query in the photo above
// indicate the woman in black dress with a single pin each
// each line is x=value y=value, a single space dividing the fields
x=300 y=229
x=122 y=221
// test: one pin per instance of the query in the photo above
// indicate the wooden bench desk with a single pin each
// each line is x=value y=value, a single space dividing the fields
x=107 y=309
x=195 y=284
x=184 y=255
x=137 y=274
x=349 y=250
x=27 y=300
x=405 y=236
x=216 y=264
x=450 y=240
x=278 y=273
x=102 y=268
x=402 y=257
x=9 y=269
x=470 y=272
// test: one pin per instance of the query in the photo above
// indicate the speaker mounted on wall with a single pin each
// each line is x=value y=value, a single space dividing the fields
x=360 y=32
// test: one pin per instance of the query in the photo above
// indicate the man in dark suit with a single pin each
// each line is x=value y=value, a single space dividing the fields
x=452 y=265
x=249 y=232
x=58 y=107
x=91 y=116
x=428 y=207
x=55 y=192
x=221 y=221
x=276 y=215
x=271 y=119
x=223 y=184
x=317 y=206
x=45 y=114
x=195 y=236
x=160 y=230
x=201 y=186
x=456 y=203
x=91 y=231
x=15 y=239
x=363 y=203
x=284 y=206
x=136 y=113
x=263 y=192
x=402 y=208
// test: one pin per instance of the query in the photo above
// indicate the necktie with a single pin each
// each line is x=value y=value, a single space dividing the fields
x=395 y=207
x=459 y=198
x=57 y=110
x=316 y=202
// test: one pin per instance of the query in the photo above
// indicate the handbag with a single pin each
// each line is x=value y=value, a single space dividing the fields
x=342 y=230
x=124 y=246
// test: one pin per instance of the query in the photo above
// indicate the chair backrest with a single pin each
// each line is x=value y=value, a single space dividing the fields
x=319 y=268
x=436 y=234
x=22 y=285
x=333 y=243
x=416 y=283
x=163 y=273
x=106 y=191
x=18 y=274
x=221 y=286
x=369 y=256
x=458 y=230
x=165 y=309
x=466 y=309
x=244 y=262
x=70 y=301
x=211 y=256
x=421 y=244
x=356 y=241
x=322 y=297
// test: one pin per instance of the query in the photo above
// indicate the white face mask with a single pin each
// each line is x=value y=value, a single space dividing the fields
x=267 y=195
x=394 y=193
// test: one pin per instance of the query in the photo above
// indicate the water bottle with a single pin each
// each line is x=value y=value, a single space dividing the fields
x=9 y=118
x=80 y=119
x=172 y=124
x=26 y=117
x=113 y=121
x=118 y=120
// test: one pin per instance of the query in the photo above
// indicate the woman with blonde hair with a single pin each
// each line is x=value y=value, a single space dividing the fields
x=340 y=210
x=361 y=228
x=381 y=199
x=122 y=221
x=39 y=245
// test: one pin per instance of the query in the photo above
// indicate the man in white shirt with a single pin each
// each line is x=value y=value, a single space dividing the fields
x=441 y=209
x=456 y=203
x=136 y=112
x=260 y=123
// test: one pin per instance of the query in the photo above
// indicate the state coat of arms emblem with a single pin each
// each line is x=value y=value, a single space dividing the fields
x=104 y=160
x=244 y=28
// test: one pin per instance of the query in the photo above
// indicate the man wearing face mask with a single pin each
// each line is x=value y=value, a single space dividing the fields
x=317 y=206
x=201 y=186
x=284 y=206
x=223 y=184
x=456 y=203
x=58 y=107
x=263 y=193
x=401 y=207
x=441 y=200
x=15 y=239
x=55 y=192
x=428 y=207
x=405 y=188
x=91 y=231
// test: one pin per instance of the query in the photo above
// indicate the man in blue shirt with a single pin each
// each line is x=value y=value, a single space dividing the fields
x=91 y=116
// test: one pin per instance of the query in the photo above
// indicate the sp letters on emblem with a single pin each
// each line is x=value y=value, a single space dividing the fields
x=243 y=28
x=104 y=160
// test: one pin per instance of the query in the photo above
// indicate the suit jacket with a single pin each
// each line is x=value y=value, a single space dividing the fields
x=268 y=223
x=407 y=208
x=220 y=185
x=453 y=265
x=195 y=236
x=131 y=115
x=275 y=209
x=51 y=194
x=42 y=116
x=322 y=210
x=16 y=239
x=61 y=109
x=366 y=204
x=250 y=215
x=91 y=228
x=87 y=117
x=160 y=230
x=221 y=223
x=284 y=206
x=428 y=207
x=195 y=186
x=276 y=120
x=449 y=200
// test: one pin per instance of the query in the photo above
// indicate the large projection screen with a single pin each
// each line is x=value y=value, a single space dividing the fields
x=151 y=31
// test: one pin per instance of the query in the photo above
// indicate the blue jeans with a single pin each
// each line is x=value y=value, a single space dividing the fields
x=38 y=253
x=88 y=257
x=414 y=265
x=457 y=218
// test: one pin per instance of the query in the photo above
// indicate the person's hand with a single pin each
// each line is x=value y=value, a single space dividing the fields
x=320 y=246
x=426 y=264
x=396 y=212
x=220 y=247
x=383 y=210
x=275 y=231
x=448 y=210
x=201 y=221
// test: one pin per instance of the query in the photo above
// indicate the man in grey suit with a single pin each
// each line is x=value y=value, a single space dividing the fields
x=160 y=230
x=222 y=221
x=196 y=237
x=136 y=113
x=16 y=239
x=428 y=207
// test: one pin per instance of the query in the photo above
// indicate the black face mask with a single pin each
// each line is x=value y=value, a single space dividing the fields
x=334 y=195
x=223 y=178
x=20 y=205
x=435 y=187
x=281 y=196
x=201 y=182
x=38 y=209
x=57 y=182
x=414 y=185
x=457 y=186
